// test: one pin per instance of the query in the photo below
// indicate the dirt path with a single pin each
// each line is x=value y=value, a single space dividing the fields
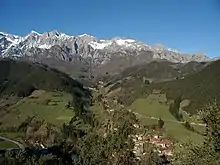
x=181 y=122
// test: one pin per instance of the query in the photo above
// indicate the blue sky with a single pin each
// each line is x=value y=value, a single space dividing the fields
x=186 y=25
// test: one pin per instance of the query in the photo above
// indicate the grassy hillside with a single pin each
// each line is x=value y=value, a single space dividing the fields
x=200 y=88
x=155 y=69
x=50 y=106
x=146 y=109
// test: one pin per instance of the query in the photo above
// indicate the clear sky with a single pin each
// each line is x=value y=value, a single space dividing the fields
x=185 y=25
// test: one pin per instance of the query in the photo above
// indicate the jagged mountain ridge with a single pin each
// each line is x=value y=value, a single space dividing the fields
x=93 y=50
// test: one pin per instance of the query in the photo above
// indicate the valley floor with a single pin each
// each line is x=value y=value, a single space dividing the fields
x=149 y=112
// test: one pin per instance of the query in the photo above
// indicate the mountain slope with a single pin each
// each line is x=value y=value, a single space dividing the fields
x=21 y=78
x=200 y=88
x=156 y=71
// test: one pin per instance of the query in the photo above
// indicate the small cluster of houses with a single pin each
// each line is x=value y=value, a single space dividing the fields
x=34 y=143
x=162 y=145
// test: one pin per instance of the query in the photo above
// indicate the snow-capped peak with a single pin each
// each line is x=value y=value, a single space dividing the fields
x=2 y=33
x=9 y=35
x=82 y=35
x=87 y=37
x=34 y=32
x=11 y=38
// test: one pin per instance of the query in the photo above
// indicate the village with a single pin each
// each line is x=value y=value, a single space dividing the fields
x=162 y=145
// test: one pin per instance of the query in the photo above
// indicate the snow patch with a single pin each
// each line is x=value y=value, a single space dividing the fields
x=63 y=35
x=173 y=50
x=124 y=41
x=44 y=46
x=82 y=35
x=96 y=45
x=86 y=35
x=130 y=40
x=9 y=39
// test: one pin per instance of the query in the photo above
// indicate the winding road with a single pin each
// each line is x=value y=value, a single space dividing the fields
x=20 y=146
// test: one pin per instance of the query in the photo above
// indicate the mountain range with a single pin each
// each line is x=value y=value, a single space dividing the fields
x=97 y=51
